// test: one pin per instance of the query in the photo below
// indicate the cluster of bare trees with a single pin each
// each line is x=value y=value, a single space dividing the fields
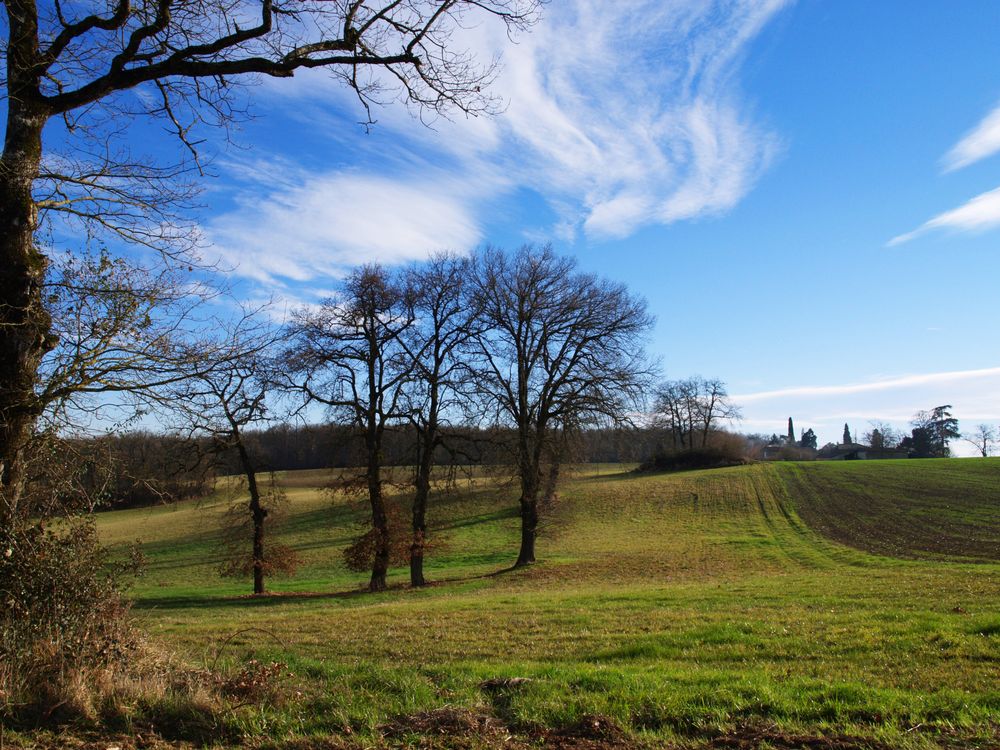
x=984 y=439
x=522 y=340
x=521 y=345
x=519 y=340
x=81 y=333
x=689 y=410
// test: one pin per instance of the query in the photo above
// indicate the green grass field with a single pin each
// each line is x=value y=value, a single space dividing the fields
x=755 y=604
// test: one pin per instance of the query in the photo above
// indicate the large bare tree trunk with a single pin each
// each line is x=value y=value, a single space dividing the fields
x=529 y=456
x=529 y=530
x=422 y=485
x=24 y=324
x=529 y=515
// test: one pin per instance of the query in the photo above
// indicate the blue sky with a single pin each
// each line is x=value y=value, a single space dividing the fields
x=801 y=190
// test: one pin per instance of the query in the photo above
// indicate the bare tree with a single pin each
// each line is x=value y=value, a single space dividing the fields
x=714 y=406
x=351 y=356
x=92 y=68
x=221 y=399
x=673 y=411
x=445 y=318
x=123 y=330
x=556 y=347
x=984 y=439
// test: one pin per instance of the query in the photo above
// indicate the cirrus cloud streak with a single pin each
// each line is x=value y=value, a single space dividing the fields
x=977 y=215
x=981 y=142
x=619 y=115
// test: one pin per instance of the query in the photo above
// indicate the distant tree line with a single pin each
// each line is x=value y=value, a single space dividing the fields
x=930 y=436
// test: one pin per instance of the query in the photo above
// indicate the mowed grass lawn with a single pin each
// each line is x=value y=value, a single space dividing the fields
x=858 y=599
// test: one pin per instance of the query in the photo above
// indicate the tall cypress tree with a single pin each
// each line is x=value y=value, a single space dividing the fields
x=847 y=435
x=791 y=432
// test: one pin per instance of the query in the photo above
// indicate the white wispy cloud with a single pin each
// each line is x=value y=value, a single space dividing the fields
x=979 y=143
x=619 y=115
x=328 y=223
x=627 y=114
x=905 y=381
x=977 y=215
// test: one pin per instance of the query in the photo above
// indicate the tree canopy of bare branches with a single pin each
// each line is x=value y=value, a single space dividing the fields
x=445 y=318
x=556 y=348
x=227 y=389
x=119 y=338
x=983 y=438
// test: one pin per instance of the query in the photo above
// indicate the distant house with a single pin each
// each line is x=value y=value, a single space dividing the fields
x=772 y=451
x=858 y=452
x=787 y=450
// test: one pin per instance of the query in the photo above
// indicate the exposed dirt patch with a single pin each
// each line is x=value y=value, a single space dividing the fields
x=752 y=738
x=46 y=740
x=309 y=743
x=449 y=727
x=589 y=733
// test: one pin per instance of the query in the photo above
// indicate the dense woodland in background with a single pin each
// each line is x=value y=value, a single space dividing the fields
x=152 y=467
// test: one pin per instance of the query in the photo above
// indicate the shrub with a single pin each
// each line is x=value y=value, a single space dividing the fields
x=65 y=625
x=723 y=449
x=360 y=555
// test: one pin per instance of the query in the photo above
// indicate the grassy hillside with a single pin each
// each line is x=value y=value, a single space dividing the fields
x=736 y=603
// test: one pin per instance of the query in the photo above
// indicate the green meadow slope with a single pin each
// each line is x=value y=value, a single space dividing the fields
x=857 y=600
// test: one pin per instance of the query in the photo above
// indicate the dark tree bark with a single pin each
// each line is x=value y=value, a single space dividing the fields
x=24 y=324
x=528 y=503
x=380 y=522
x=422 y=491
x=374 y=430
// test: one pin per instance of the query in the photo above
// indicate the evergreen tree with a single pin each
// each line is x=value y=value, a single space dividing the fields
x=847 y=435
x=809 y=439
x=931 y=433
x=791 y=432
